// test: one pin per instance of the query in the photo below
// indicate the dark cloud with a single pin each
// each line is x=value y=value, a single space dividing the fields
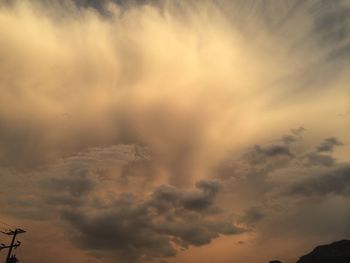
x=274 y=150
x=127 y=226
x=328 y=144
x=273 y=153
x=321 y=156
x=335 y=181
x=201 y=200
x=251 y=172
x=315 y=158
x=70 y=189
x=133 y=229
x=282 y=185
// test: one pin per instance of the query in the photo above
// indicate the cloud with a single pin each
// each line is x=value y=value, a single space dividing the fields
x=123 y=217
x=103 y=71
x=156 y=227
x=274 y=187
x=111 y=111
x=259 y=161
x=196 y=201
x=274 y=150
x=71 y=190
x=319 y=159
x=253 y=215
x=333 y=181
x=328 y=144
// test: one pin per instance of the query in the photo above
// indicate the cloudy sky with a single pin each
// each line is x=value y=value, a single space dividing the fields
x=174 y=131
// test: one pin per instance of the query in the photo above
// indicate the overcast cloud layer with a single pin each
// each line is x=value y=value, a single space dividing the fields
x=174 y=131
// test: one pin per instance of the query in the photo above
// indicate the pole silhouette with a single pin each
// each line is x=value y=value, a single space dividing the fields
x=13 y=245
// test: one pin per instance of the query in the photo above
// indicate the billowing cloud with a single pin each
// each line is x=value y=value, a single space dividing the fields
x=156 y=227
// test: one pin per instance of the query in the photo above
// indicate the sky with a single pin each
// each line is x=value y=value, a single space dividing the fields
x=174 y=131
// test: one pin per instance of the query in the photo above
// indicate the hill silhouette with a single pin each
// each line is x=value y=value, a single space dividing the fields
x=336 y=252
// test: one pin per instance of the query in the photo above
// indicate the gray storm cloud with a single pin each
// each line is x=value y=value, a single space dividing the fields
x=155 y=228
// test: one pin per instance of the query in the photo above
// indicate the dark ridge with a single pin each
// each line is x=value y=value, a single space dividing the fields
x=336 y=252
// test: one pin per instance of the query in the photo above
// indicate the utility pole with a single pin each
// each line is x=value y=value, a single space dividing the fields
x=12 y=233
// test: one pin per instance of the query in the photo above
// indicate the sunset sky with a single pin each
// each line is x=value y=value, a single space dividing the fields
x=178 y=131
